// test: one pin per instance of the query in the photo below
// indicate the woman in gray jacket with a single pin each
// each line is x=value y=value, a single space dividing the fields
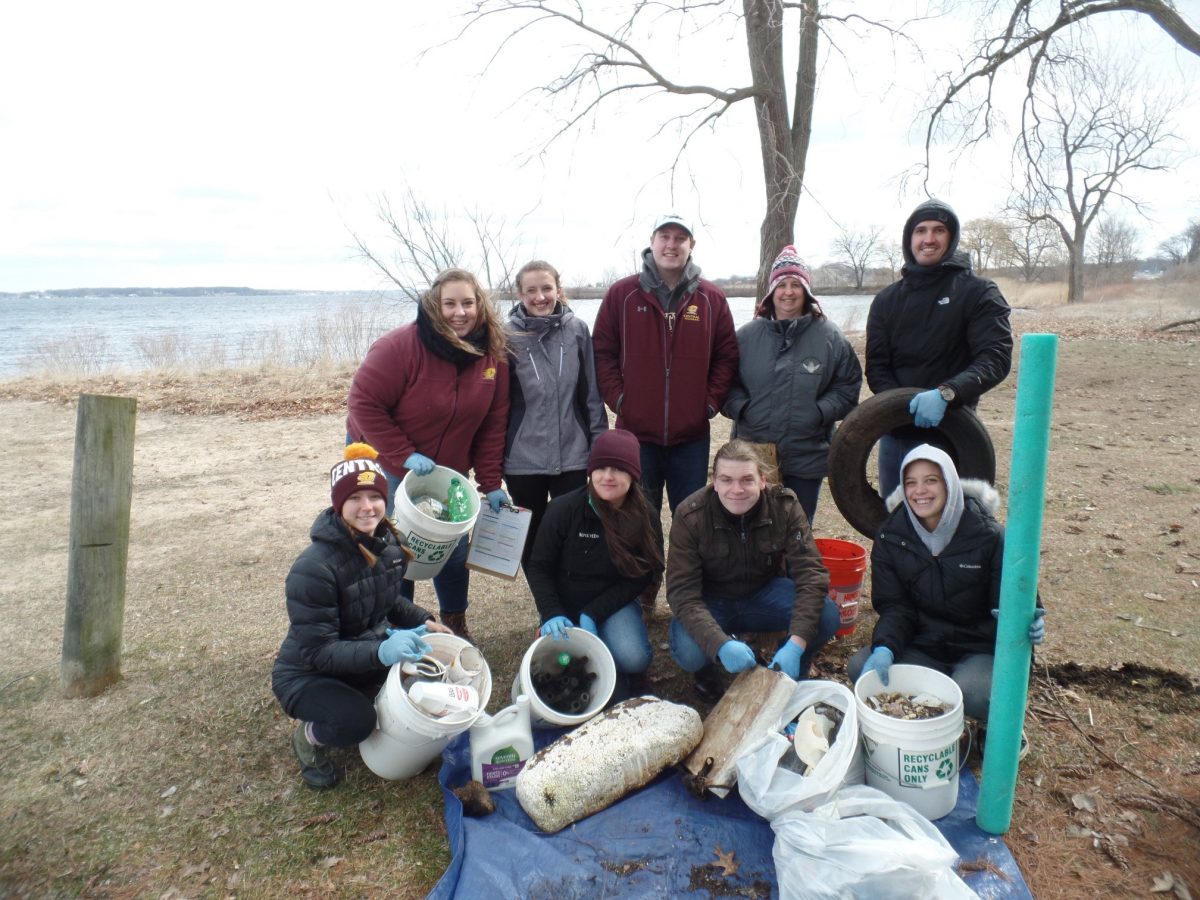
x=798 y=375
x=555 y=410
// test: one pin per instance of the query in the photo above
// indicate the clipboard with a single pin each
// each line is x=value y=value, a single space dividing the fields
x=498 y=541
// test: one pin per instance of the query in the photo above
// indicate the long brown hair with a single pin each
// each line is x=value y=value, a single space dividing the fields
x=488 y=318
x=633 y=542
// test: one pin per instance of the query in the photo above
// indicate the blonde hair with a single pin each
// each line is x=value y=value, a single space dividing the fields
x=487 y=317
x=739 y=450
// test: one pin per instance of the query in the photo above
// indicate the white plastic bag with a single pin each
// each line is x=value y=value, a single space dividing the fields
x=770 y=788
x=863 y=844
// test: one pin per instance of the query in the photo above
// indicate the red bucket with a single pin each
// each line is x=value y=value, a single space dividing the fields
x=846 y=562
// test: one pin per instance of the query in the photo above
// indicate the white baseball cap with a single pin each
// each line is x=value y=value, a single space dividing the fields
x=673 y=219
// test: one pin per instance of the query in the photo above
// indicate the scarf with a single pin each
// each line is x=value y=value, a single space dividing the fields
x=443 y=349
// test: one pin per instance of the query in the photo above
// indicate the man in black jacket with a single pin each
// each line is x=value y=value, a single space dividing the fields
x=940 y=328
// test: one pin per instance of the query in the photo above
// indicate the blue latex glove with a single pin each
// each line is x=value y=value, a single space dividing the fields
x=787 y=659
x=497 y=499
x=736 y=657
x=880 y=661
x=927 y=408
x=419 y=463
x=1037 y=628
x=588 y=624
x=556 y=627
x=403 y=645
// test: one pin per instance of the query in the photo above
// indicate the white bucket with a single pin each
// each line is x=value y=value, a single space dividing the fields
x=430 y=540
x=913 y=760
x=406 y=738
x=543 y=653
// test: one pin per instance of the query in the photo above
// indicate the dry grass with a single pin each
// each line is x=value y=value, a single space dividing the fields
x=179 y=781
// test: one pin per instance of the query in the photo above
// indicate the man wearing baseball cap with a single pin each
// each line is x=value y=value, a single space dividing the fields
x=666 y=355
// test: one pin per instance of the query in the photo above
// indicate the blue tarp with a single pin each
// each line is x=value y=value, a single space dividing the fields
x=657 y=841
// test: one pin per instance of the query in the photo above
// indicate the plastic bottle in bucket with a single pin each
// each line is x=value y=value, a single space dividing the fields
x=440 y=699
x=432 y=539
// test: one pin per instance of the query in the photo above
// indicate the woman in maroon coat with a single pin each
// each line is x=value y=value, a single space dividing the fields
x=435 y=392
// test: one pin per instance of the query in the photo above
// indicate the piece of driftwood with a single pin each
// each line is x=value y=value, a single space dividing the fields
x=750 y=708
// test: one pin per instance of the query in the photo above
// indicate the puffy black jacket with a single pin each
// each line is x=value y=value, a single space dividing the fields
x=571 y=570
x=946 y=326
x=339 y=607
x=941 y=606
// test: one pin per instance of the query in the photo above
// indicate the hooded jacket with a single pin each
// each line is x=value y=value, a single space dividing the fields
x=404 y=399
x=938 y=324
x=665 y=371
x=338 y=609
x=555 y=410
x=571 y=570
x=796 y=378
x=712 y=554
x=940 y=605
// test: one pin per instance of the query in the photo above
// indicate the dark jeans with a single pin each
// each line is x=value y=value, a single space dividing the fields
x=683 y=468
x=530 y=491
x=342 y=715
x=807 y=490
x=768 y=610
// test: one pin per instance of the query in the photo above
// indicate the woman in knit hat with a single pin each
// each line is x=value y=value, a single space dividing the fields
x=348 y=621
x=797 y=377
x=435 y=392
x=598 y=549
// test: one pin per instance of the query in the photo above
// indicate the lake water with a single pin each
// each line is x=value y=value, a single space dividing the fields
x=108 y=334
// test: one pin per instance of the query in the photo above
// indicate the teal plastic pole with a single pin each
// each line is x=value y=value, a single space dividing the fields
x=1018 y=583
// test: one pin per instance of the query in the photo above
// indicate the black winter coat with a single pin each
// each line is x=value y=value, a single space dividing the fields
x=339 y=609
x=947 y=326
x=571 y=570
x=940 y=606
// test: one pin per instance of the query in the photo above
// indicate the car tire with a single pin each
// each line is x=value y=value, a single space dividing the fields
x=961 y=434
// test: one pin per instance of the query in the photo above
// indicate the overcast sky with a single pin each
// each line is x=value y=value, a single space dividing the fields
x=162 y=144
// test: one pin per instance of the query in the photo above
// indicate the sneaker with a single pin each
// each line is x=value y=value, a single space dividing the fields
x=1024 y=751
x=316 y=768
x=707 y=683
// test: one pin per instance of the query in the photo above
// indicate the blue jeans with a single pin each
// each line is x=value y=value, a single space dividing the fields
x=768 y=610
x=454 y=581
x=972 y=673
x=624 y=634
x=682 y=467
x=892 y=451
x=807 y=490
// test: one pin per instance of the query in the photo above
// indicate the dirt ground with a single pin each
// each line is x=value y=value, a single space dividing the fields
x=178 y=781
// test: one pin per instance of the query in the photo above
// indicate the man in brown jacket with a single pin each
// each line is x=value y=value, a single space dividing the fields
x=742 y=558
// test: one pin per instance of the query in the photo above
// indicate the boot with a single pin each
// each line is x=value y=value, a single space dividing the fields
x=316 y=768
x=707 y=682
x=457 y=622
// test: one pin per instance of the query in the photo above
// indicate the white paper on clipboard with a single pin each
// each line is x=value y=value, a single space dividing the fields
x=498 y=541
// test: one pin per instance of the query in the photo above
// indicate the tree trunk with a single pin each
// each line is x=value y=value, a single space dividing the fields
x=784 y=146
x=1075 y=271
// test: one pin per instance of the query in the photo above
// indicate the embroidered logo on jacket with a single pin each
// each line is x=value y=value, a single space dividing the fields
x=969 y=566
x=691 y=314
x=943 y=301
x=589 y=536
x=811 y=365
x=489 y=374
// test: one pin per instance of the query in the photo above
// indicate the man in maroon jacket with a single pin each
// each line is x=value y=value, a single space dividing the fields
x=666 y=354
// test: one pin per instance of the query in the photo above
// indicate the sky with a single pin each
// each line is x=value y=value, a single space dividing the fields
x=244 y=144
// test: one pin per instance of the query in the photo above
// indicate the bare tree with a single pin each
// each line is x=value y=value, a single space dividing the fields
x=426 y=241
x=1084 y=130
x=616 y=62
x=858 y=249
x=986 y=239
x=1174 y=249
x=1026 y=33
x=1115 y=244
x=1033 y=243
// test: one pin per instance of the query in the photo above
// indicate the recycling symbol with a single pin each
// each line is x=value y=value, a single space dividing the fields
x=945 y=769
x=436 y=555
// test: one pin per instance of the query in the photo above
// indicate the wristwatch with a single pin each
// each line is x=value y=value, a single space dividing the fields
x=948 y=393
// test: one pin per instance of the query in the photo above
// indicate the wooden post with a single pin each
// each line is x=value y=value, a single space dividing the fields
x=101 y=492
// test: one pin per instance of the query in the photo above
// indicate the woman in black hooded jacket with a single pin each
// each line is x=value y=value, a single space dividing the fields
x=349 y=621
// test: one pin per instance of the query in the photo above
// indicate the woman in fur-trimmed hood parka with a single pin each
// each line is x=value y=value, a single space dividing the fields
x=935 y=575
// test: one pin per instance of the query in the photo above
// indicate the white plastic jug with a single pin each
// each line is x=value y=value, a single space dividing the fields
x=501 y=745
